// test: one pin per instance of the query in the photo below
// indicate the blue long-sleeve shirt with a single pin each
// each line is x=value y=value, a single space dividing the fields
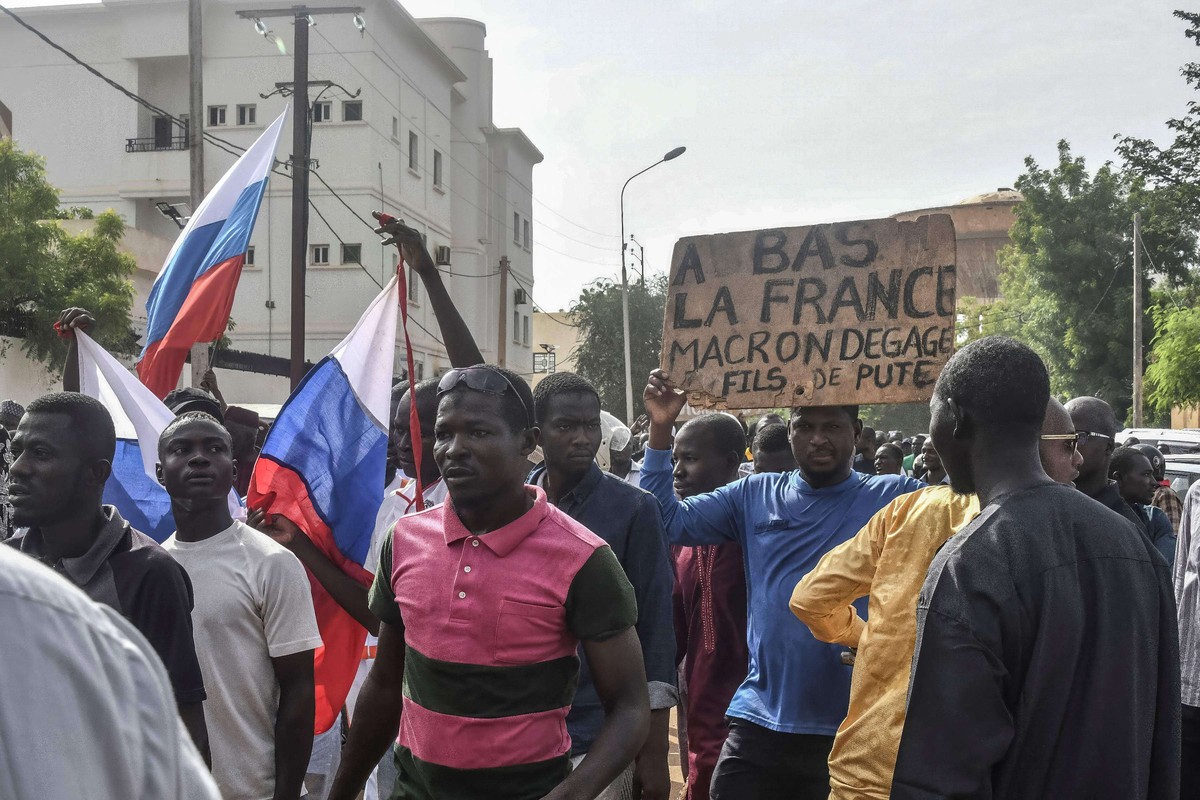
x=627 y=519
x=795 y=683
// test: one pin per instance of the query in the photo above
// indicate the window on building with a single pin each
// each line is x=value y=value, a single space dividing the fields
x=216 y=115
x=525 y=331
x=247 y=115
x=516 y=333
x=516 y=228
x=352 y=111
x=351 y=253
x=414 y=286
x=419 y=366
x=437 y=168
x=526 y=232
x=323 y=111
x=250 y=256
x=545 y=362
x=320 y=254
x=414 y=142
x=395 y=128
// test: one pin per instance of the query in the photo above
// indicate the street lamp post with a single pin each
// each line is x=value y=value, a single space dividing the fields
x=676 y=153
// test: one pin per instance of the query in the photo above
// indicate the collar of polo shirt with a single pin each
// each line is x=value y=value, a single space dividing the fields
x=501 y=541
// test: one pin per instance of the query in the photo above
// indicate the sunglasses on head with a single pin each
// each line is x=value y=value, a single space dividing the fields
x=481 y=379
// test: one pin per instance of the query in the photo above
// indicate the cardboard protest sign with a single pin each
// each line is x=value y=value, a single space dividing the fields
x=839 y=314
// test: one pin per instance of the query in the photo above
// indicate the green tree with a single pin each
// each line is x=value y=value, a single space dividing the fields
x=1173 y=376
x=44 y=269
x=600 y=354
x=1067 y=276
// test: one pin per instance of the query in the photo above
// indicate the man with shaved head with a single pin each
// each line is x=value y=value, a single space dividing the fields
x=1059 y=445
x=1097 y=427
x=1047 y=656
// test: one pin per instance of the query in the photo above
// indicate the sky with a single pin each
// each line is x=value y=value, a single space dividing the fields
x=800 y=112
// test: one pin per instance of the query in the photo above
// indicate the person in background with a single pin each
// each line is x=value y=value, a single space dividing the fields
x=63 y=452
x=1134 y=476
x=620 y=463
x=1165 y=497
x=10 y=418
x=256 y=631
x=567 y=411
x=784 y=715
x=1044 y=604
x=86 y=707
x=710 y=597
x=888 y=560
x=10 y=415
x=910 y=456
x=772 y=450
x=889 y=460
x=864 y=452
x=482 y=602
x=1186 y=577
x=1097 y=426
x=933 y=471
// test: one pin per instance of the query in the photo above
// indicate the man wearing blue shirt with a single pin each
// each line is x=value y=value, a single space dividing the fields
x=784 y=715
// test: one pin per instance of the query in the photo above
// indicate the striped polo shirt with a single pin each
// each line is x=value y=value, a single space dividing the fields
x=491 y=625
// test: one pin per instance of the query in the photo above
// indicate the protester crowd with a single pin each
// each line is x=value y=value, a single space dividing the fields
x=1005 y=606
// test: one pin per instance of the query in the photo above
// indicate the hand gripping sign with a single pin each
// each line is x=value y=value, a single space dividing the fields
x=838 y=314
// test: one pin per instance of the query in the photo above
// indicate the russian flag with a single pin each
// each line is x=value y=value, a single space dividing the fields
x=192 y=295
x=139 y=418
x=322 y=467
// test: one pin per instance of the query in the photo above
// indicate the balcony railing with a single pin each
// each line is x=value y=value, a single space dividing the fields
x=150 y=144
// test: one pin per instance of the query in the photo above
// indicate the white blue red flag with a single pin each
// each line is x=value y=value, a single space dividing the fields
x=139 y=418
x=192 y=296
x=322 y=467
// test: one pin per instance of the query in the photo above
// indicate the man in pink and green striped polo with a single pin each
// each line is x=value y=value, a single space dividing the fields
x=483 y=602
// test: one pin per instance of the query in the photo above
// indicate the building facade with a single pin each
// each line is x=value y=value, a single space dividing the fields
x=406 y=127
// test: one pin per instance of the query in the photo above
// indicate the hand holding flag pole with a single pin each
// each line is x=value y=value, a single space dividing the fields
x=405 y=237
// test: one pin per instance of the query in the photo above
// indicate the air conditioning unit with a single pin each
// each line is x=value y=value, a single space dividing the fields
x=520 y=298
x=441 y=255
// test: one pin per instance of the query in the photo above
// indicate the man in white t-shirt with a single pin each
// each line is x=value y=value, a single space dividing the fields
x=255 y=627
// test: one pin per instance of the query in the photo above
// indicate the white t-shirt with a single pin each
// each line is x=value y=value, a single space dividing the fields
x=86 y=708
x=253 y=603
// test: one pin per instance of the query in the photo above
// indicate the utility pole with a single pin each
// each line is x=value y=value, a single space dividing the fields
x=195 y=133
x=301 y=120
x=1137 y=320
x=502 y=340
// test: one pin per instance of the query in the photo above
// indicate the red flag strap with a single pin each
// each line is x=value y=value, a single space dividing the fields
x=414 y=422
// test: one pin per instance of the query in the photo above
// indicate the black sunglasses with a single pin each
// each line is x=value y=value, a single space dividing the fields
x=481 y=379
x=1085 y=435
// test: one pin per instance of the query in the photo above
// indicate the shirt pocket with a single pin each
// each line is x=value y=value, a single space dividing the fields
x=527 y=633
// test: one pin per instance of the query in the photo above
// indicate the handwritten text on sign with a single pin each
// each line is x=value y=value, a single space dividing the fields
x=853 y=312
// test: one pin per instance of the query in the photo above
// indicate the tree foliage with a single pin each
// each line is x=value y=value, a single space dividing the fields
x=600 y=354
x=44 y=269
x=1067 y=276
x=1172 y=174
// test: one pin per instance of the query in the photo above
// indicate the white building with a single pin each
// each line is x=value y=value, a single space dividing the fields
x=417 y=140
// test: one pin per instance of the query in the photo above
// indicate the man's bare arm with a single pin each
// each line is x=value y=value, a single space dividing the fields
x=69 y=321
x=376 y=718
x=460 y=344
x=345 y=591
x=294 y=722
x=620 y=680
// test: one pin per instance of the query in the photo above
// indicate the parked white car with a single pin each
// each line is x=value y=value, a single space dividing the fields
x=1182 y=471
x=1169 y=441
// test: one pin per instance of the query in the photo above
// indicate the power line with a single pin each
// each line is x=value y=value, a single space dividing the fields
x=450 y=155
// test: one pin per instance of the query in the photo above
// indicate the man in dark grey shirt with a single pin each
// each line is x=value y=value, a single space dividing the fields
x=1047 y=658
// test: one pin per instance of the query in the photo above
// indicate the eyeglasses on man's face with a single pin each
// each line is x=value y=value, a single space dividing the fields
x=1069 y=441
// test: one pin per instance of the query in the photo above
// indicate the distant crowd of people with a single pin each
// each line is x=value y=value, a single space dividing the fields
x=1005 y=607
